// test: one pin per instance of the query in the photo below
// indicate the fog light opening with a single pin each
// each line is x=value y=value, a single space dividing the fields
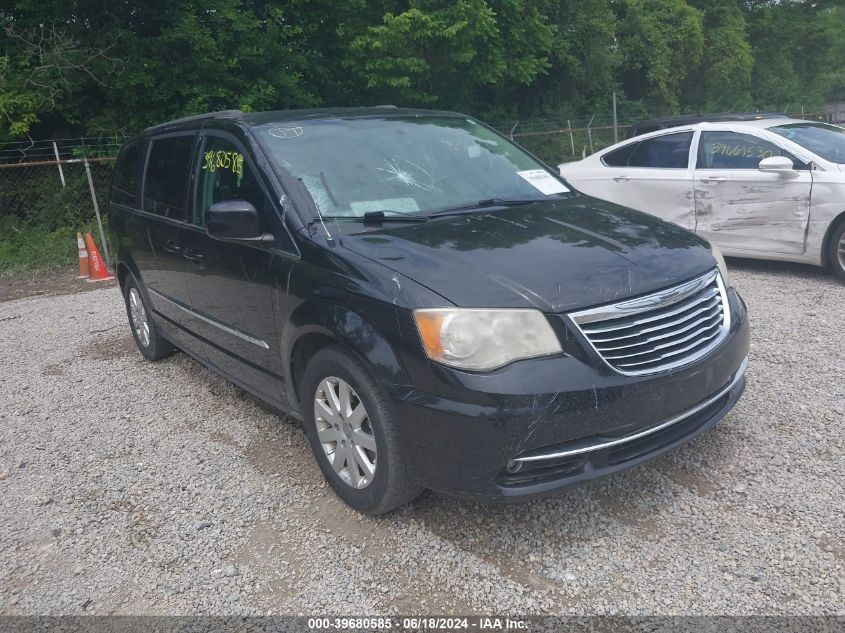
x=513 y=466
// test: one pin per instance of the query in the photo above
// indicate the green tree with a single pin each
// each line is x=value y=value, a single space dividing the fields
x=584 y=58
x=723 y=77
x=205 y=55
x=662 y=42
x=442 y=52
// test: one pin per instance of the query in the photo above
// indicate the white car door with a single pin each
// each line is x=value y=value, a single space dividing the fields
x=652 y=175
x=740 y=207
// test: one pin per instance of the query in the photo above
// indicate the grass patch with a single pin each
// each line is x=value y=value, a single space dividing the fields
x=38 y=248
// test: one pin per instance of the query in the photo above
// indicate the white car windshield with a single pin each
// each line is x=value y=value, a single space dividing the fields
x=400 y=165
x=827 y=141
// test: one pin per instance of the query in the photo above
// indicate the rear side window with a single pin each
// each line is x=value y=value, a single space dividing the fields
x=670 y=151
x=126 y=175
x=731 y=150
x=168 y=172
x=619 y=157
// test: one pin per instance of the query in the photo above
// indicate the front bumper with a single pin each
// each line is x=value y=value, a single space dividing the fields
x=582 y=421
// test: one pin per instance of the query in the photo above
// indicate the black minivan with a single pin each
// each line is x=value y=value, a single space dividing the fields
x=437 y=306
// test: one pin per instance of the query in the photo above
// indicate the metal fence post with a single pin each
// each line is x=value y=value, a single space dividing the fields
x=590 y=133
x=59 y=163
x=97 y=212
x=615 y=130
x=571 y=137
x=512 y=129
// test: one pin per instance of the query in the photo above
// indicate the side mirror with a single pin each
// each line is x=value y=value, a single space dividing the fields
x=777 y=164
x=234 y=220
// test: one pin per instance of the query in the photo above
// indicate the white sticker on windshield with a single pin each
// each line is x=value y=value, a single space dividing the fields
x=402 y=205
x=543 y=181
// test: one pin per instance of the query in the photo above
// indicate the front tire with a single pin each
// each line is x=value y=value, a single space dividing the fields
x=351 y=428
x=836 y=250
x=144 y=331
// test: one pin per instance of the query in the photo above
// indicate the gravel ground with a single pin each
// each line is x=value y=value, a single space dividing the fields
x=129 y=487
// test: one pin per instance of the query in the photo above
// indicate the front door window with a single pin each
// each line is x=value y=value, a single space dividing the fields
x=225 y=175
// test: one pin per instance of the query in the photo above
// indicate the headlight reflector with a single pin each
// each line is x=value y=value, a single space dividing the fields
x=720 y=262
x=484 y=339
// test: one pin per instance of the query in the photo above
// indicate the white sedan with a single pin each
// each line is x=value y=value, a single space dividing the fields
x=768 y=189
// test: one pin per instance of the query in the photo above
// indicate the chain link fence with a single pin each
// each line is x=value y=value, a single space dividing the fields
x=46 y=196
x=52 y=194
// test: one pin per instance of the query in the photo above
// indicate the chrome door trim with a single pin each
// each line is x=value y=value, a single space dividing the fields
x=222 y=326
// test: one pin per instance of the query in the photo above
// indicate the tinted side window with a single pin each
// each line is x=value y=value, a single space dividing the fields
x=225 y=175
x=619 y=157
x=730 y=150
x=670 y=151
x=168 y=172
x=126 y=175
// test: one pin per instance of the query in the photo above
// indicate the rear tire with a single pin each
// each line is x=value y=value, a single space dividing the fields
x=343 y=404
x=836 y=250
x=150 y=343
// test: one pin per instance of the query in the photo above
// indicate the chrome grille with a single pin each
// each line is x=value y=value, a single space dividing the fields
x=659 y=331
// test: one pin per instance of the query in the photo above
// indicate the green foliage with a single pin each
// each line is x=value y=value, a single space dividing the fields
x=663 y=41
x=723 y=78
x=70 y=67
x=584 y=58
x=441 y=51
x=34 y=248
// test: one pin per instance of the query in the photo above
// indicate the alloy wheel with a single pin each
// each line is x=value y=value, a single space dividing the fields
x=345 y=433
x=840 y=251
x=139 y=317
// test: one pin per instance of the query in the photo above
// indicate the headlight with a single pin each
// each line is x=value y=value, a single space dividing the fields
x=484 y=339
x=720 y=261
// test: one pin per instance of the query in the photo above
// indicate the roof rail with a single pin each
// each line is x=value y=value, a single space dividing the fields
x=221 y=114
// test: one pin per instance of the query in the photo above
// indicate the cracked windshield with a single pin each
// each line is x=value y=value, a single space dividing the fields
x=405 y=165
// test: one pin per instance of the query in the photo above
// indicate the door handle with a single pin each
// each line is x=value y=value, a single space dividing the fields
x=622 y=178
x=193 y=256
x=171 y=247
x=713 y=179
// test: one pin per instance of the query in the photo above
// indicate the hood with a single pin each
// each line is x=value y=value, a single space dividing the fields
x=556 y=255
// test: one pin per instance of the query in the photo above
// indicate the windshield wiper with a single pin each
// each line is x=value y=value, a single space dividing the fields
x=483 y=204
x=381 y=216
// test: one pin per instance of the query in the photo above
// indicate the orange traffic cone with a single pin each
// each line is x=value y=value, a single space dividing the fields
x=83 y=256
x=97 y=266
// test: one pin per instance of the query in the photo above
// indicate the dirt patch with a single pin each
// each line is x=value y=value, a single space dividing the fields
x=282 y=452
x=833 y=547
x=55 y=369
x=111 y=346
x=58 y=282
x=692 y=481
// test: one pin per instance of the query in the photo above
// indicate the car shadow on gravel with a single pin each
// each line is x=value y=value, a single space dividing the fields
x=806 y=271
